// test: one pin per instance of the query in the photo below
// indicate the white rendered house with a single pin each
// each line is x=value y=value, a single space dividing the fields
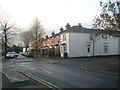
x=76 y=42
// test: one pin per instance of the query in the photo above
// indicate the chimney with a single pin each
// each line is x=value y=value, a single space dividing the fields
x=61 y=29
x=79 y=24
x=47 y=37
x=67 y=26
x=53 y=33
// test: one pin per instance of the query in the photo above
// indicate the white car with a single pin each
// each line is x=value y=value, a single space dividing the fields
x=11 y=55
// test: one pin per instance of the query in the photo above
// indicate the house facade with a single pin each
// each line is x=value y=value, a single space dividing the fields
x=51 y=45
x=76 y=41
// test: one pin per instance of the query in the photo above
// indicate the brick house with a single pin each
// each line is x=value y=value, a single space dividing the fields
x=76 y=41
x=51 y=45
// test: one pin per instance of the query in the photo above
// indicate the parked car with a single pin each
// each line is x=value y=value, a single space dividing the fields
x=30 y=54
x=27 y=54
x=11 y=55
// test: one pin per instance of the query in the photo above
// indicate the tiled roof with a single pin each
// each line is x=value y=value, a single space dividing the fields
x=74 y=29
x=79 y=29
x=57 y=34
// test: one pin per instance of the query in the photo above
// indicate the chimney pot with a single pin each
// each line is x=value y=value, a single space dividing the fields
x=79 y=24
x=61 y=29
x=67 y=26
x=47 y=37
x=53 y=33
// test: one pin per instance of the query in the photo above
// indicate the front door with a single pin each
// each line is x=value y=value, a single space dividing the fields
x=88 y=50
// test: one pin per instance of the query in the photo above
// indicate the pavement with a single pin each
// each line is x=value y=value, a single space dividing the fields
x=7 y=84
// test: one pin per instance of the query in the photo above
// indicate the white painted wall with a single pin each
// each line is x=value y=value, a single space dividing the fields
x=112 y=44
x=78 y=45
x=62 y=51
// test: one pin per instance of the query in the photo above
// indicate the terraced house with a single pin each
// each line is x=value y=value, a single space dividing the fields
x=51 y=45
x=76 y=41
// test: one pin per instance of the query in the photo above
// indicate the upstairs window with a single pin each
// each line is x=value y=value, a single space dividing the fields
x=104 y=37
x=52 y=40
x=64 y=37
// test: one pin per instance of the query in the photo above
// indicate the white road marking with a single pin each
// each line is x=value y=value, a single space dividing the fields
x=44 y=69
x=38 y=68
x=95 y=78
x=46 y=83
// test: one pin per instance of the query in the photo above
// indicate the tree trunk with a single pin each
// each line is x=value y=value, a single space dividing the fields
x=36 y=49
x=36 y=42
x=5 y=47
x=93 y=47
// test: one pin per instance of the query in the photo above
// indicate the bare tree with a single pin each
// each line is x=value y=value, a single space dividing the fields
x=6 y=32
x=93 y=38
x=25 y=37
x=108 y=22
x=37 y=33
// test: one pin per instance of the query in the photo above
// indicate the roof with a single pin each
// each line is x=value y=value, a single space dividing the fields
x=74 y=29
x=57 y=34
x=78 y=29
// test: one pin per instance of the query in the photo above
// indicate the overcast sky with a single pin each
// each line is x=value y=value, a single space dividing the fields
x=52 y=13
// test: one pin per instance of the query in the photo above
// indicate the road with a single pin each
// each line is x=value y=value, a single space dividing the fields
x=64 y=73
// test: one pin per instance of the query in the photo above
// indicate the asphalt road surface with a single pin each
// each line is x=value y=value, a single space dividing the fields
x=64 y=73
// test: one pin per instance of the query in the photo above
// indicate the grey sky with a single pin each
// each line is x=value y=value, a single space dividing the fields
x=52 y=13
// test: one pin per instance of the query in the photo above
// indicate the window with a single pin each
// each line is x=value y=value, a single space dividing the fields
x=52 y=40
x=48 y=42
x=64 y=37
x=64 y=49
x=88 y=48
x=91 y=37
x=105 y=48
x=58 y=41
x=104 y=37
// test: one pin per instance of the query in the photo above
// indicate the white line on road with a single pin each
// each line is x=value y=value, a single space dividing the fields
x=38 y=68
x=46 y=83
x=44 y=69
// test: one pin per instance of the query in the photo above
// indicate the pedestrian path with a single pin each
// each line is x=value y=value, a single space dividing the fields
x=14 y=76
